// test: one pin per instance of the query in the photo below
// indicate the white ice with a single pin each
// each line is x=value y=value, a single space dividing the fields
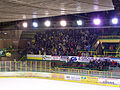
x=44 y=84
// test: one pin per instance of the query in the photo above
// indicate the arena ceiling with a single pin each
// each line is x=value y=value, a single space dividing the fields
x=12 y=10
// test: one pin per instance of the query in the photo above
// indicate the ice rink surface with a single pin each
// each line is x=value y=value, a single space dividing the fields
x=44 y=84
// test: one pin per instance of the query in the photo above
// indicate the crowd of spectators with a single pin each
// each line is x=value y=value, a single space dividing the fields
x=94 y=65
x=102 y=65
x=62 y=42
x=69 y=42
x=110 y=46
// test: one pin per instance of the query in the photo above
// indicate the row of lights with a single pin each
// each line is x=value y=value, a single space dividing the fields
x=97 y=21
x=46 y=23
x=63 y=23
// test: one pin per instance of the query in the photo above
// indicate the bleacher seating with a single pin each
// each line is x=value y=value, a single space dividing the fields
x=70 y=43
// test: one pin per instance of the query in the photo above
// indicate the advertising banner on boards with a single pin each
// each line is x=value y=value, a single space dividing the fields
x=73 y=77
x=109 y=81
x=47 y=57
x=37 y=57
x=56 y=58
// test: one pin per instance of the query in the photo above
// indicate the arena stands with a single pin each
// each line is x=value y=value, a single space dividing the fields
x=62 y=42
x=105 y=65
x=69 y=42
x=73 y=43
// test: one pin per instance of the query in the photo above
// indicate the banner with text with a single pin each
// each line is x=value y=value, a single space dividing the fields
x=64 y=58
x=109 y=81
x=38 y=57
x=56 y=58
x=68 y=58
x=73 y=77
x=47 y=57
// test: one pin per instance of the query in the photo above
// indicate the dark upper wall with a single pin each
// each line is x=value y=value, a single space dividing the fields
x=87 y=18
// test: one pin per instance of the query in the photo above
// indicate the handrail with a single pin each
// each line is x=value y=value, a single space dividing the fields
x=105 y=53
x=112 y=36
x=40 y=66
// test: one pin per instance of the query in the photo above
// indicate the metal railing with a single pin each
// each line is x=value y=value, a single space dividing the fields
x=46 y=66
x=105 y=53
